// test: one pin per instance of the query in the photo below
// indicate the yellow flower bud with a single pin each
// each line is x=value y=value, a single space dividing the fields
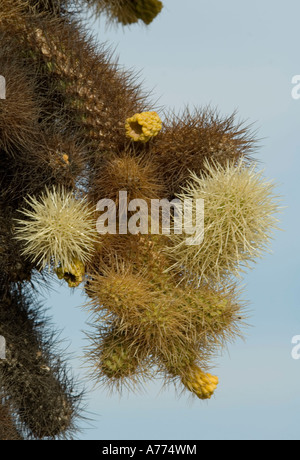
x=143 y=126
x=201 y=384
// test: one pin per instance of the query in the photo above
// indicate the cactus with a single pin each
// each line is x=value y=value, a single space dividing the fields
x=240 y=208
x=127 y=11
x=32 y=376
x=75 y=129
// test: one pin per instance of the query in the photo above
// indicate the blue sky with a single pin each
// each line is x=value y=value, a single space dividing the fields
x=232 y=55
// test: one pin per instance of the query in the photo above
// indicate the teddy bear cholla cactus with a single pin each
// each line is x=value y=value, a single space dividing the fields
x=163 y=320
x=240 y=208
x=59 y=229
x=42 y=145
x=93 y=130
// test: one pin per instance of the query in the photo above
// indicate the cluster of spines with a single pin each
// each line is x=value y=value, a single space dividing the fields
x=9 y=429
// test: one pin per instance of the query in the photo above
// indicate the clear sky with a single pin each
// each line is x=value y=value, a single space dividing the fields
x=232 y=55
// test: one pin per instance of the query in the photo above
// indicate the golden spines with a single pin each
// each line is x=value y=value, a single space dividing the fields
x=239 y=220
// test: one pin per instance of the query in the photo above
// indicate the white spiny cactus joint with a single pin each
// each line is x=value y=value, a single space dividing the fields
x=239 y=222
x=56 y=229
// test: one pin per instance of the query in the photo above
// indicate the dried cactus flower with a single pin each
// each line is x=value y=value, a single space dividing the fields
x=56 y=229
x=141 y=127
x=239 y=220
x=72 y=275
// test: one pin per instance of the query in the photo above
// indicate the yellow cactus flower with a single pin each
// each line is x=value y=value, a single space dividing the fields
x=66 y=159
x=73 y=274
x=143 y=126
x=201 y=384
